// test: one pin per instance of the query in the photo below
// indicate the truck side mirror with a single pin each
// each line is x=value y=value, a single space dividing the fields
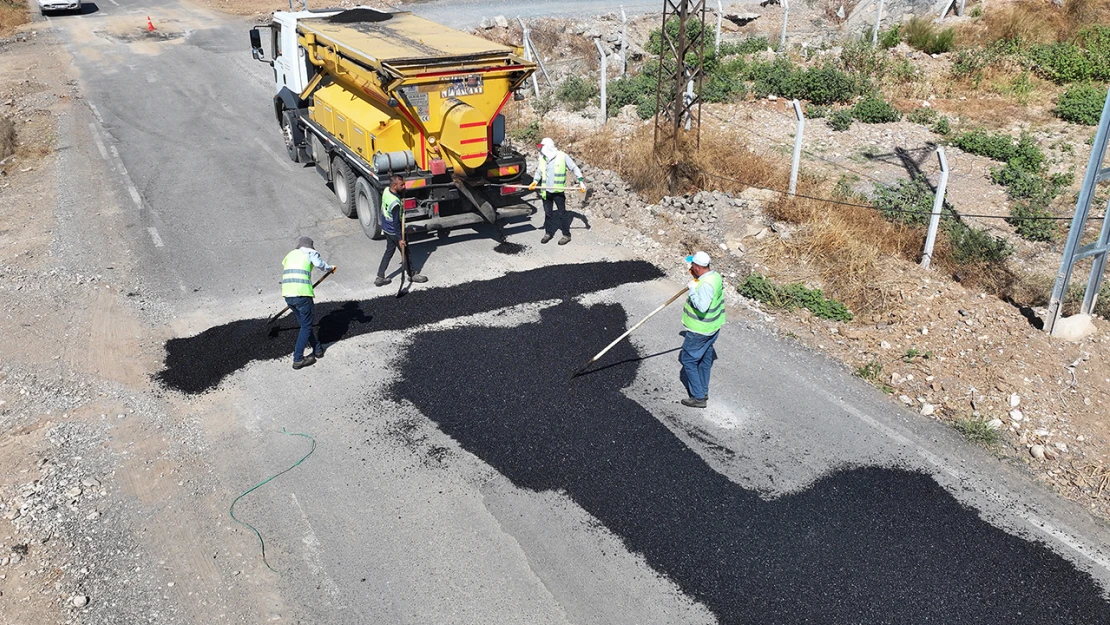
x=256 y=46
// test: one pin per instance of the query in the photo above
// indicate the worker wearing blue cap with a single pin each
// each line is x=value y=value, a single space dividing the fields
x=703 y=316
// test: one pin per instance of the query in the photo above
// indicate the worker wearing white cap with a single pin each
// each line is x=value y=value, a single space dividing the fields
x=551 y=172
x=703 y=316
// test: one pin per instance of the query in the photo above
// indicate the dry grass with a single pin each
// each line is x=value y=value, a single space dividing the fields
x=13 y=13
x=1035 y=21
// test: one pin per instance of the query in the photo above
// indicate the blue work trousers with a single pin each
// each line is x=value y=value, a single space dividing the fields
x=697 y=359
x=304 y=309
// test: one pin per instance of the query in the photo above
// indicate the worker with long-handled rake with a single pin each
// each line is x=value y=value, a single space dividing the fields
x=297 y=289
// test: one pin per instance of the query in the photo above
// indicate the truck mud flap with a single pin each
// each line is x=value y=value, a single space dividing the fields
x=480 y=203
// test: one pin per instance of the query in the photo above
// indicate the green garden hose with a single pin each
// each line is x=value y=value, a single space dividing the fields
x=231 y=510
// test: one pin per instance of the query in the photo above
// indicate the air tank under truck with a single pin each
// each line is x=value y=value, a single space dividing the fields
x=364 y=94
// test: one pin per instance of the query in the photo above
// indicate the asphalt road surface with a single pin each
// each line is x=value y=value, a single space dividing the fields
x=460 y=474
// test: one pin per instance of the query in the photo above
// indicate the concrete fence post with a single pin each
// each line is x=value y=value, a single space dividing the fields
x=938 y=205
x=785 y=15
x=717 y=41
x=875 y=29
x=797 y=160
x=604 y=78
x=624 y=42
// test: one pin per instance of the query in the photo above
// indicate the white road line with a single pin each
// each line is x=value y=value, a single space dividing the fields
x=114 y=2
x=131 y=189
x=99 y=143
x=155 y=237
x=312 y=556
x=95 y=112
x=284 y=162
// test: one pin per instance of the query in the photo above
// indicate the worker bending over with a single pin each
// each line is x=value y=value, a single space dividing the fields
x=703 y=316
x=551 y=173
x=296 y=288
x=393 y=229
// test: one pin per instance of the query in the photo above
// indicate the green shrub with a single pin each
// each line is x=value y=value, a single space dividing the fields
x=999 y=147
x=723 y=87
x=859 y=57
x=813 y=111
x=793 y=296
x=1081 y=104
x=1024 y=218
x=632 y=89
x=976 y=246
x=924 y=115
x=890 y=37
x=750 y=45
x=872 y=110
x=693 y=29
x=1086 y=57
x=577 y=92
x=821 y=85
x=775 y=77
x=941 y=126
x=840 y=120
x=908 y=201
x=871 y=371
x=922 y=34
x=530 y=134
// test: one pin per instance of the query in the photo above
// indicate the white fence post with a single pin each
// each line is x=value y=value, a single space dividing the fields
x=938 y=204
x=785 y=14
x=796 y=162
x=624 y=42
x=875 y=30
x=717 y=42
x=604 y=70
x=528 y=55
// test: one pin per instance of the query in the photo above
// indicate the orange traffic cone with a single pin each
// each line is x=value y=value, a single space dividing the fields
x=149 y=25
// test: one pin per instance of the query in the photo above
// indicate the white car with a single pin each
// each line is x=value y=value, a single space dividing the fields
x=51 y=6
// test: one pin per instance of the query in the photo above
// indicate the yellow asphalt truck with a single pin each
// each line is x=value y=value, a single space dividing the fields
x=365 y=94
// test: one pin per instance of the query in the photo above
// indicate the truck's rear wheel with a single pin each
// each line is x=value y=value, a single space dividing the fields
x=343 y=183
x=368 y=205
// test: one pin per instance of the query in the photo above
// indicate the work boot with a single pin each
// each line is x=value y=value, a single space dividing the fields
x=564 y=240
x=546 y=238
x=307 y=362
x=418 y=279
x=694 y=403
x=318 y=353
x=381 y=281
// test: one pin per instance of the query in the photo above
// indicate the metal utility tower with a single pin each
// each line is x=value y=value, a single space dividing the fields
x=1096 y=250
x=678 y=92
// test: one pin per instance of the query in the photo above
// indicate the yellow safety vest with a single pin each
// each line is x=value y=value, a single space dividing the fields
x=296 y=279
x=559 y=184
x=712 y=319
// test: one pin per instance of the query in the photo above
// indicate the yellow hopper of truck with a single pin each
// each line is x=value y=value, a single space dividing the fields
x=365 y=94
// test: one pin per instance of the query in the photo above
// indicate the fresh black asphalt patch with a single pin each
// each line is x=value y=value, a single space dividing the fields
x=865 y=546
x=198 y=363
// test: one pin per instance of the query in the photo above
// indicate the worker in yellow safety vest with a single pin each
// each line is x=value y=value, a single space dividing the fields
x=703 y=316
x=551 y=176
x=296 y=288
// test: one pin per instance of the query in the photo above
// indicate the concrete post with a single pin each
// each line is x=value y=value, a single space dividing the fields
x=875 y=30
x=797 y=160
x=604 y=78
x=624 y=43
x=717 y=42
x=938 y=205
x=785 y=15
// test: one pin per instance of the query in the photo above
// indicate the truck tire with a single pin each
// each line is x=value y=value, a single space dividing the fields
x=290 y=132
x=368 y=205
x=343 y=183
